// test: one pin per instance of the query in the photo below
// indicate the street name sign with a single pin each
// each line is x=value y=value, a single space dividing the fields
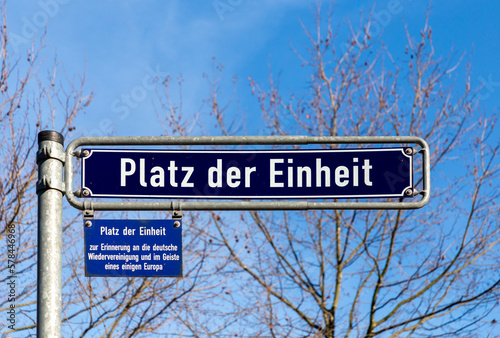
x=247 y=174
x=133 y=248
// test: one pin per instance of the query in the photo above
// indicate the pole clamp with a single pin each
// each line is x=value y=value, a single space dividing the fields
x=46 y=153
x=46 y=183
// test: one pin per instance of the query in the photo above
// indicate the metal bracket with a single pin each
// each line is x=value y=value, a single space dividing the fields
x=46 y=152
x=88 y=211
x=46 y=183
x=176 y=210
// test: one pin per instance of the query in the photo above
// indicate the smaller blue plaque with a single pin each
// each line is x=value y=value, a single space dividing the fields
x=133 y=248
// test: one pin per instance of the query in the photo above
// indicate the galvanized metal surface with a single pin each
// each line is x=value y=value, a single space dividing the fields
x=72 y=151
x=50 y=201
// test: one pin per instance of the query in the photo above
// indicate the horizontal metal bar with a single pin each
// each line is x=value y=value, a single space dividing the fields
x=245 y=140
x=240 y=140
x=253 y=205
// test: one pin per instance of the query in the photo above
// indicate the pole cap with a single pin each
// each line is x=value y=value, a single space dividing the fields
x=50 y=135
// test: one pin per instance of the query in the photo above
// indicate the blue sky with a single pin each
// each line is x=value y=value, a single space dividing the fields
x=124 y=44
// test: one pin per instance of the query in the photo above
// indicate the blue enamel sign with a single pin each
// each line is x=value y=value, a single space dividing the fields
x=267 y=174
x=133 y=248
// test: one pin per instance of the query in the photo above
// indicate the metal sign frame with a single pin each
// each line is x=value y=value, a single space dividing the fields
x=71 y=152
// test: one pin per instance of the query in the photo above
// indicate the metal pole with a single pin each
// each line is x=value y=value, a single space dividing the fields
x=50 y=188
